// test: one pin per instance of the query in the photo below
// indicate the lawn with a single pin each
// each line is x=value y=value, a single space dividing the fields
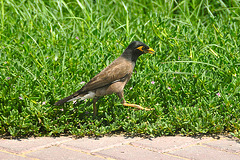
x=50 y=49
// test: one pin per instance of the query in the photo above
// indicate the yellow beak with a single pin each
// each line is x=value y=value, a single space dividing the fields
x=150 y=50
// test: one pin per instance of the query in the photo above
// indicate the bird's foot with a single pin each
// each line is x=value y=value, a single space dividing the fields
x=149 y=109
x=137 y=106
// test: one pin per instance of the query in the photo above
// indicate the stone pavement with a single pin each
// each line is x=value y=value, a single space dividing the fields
x=120 y=147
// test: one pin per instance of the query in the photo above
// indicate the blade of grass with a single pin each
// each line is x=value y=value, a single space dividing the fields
x=203 y=63
x=2 y=15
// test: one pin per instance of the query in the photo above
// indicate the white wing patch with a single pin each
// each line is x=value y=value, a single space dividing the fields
x=89 y=95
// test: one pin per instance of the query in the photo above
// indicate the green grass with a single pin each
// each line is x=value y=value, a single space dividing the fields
x=47 y=48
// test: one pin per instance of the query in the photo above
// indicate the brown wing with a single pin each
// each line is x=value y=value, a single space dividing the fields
x=117 y=70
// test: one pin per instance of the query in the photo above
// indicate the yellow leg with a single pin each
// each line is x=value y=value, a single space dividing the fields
x=121 y=96
x=137 y=106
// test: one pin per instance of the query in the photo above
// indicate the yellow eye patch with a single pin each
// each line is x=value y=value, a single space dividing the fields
x=150 y=50
x=140 y=48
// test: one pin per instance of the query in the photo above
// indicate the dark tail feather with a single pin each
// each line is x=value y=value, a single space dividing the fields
x=60 y=102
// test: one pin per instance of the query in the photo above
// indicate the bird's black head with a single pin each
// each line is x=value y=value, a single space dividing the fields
x=136 y=49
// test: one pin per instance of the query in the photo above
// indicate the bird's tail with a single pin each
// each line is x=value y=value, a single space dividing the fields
x=66 y=99
x=77 y=95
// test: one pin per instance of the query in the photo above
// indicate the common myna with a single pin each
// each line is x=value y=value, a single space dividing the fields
x=113 y=78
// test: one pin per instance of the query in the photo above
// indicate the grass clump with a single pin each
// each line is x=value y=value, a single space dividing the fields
x=47 y=48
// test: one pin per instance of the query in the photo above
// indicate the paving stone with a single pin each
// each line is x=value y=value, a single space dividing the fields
x=120 y=147
x=164 y=144
x=59 y=153
x=22 y=145
x=204 y=153
x=130 y=152
x=93 y=145
x=225 y=144
x=7 y=156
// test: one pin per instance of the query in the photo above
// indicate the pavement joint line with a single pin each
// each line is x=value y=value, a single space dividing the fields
x=19 y=155
x=146 y=148
x=172 y=148
x=182 y=147
x=176 y=156
x=88 y=153
x=221 y=138
x=32 y=151
x=105 y=156
x=219 y=149
x=154 y=149
x=44 y=146
x=112 y=146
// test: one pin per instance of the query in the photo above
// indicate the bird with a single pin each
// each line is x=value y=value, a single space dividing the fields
x=112 y=79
